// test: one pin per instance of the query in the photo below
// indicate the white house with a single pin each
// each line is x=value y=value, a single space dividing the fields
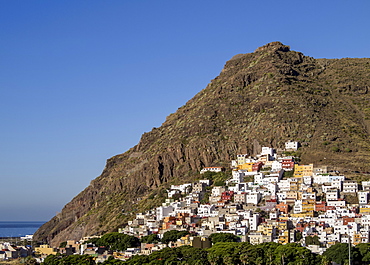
x=291 y=146
x=164 y=211
x=267 y=151
x=332 y=195
x=284 y=185
x=297 y=208
x=276 y=166
x=212 y=169
x=237 y=176
x=365 y=185
x=253 y=198
x=309 y=196
x=217 y=191
x=363 y=197
x=350 y=186
x=307 y=180
x=206 y=182
x=182 y=188
x=258 y=178
x=336 y=203
x=325 y=178
x=205 y=210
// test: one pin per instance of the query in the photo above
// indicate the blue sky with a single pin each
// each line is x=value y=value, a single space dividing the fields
x=81 y=81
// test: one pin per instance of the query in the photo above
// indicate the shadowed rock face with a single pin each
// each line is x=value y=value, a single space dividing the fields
x=262 y=98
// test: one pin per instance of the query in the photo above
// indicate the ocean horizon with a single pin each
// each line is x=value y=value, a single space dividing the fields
x=19 y=228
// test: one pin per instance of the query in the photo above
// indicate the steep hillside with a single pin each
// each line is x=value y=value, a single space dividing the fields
x=266 y=97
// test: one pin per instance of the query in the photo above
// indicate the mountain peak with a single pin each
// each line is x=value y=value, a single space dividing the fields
x=273 y=46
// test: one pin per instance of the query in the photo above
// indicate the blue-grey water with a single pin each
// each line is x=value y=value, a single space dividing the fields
x=18 y=229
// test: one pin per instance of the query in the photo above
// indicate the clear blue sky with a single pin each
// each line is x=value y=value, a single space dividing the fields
x=80 y=81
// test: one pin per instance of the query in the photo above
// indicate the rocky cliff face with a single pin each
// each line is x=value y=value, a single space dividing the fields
x=266 y=97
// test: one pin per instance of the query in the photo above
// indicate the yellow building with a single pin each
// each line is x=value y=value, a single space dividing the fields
x=284 y=237
x=310 y=189
x=303 y=214
x=307 y=206
x=73 y=243
x=246 y=166
x=294 y=186
x=283 y=225
x=241 y=159
x=283 y=217
x=331 y=243
x=45 y=250
x=292 y=194
x=365 y=210
x=266 y=229
x=264 y=158
x=356 y=239
x=119 y=255
x=303 y=170
x=311 y=201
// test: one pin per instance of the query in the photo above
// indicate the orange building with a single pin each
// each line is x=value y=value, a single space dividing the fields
x=282 y=207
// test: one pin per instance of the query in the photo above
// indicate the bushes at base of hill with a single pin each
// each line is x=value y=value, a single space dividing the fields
x=69 y=260
x=116 y=241
x=223 y=237
x=233 y=253
x=228 y=253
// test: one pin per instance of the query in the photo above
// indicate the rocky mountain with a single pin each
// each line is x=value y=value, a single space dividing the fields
x=264 y=98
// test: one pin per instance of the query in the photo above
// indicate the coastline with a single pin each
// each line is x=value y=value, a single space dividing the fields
x=10 y=240
x=18 y=230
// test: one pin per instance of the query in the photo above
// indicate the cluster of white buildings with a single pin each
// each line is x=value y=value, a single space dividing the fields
x=259 y=203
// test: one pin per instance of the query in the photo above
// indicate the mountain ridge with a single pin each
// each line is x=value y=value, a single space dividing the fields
x=266 y=97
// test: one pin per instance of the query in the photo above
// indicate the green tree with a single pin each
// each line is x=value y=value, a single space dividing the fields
x=325 y=260
x=112 y=260
x=69 y=260
x=63 y=244
x=78 y=260
x=135 y=260
x=224 y=253
x=193 y=256
x=298 y=236
x=208 y=175
x=52 y=259
x=288 y=174
x=173 y=235
x=312 y=240
x=268 y=250
x=152 y=238
x=205 y=199
x=219 y=183
x=118 y=241
x=339 y=253
x=93 y=240
x=249 y=254
x=364 y=250
x=164 y=256
x=223 y=237
x=293 y=253
x=29 y=261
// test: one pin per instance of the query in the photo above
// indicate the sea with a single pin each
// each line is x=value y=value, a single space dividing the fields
x=18 y=229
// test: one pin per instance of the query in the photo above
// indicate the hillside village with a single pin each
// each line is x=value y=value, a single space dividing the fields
x=268 y=198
